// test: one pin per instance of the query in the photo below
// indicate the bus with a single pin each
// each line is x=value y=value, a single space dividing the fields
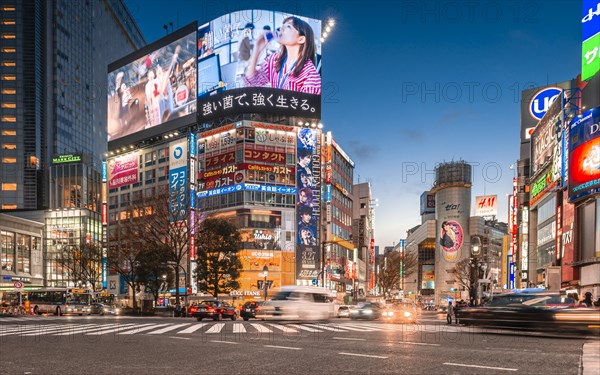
x=105 y=299
x=60 y=301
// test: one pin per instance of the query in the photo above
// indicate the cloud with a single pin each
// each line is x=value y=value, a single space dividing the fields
x=413 y=135
x=453 y=116
x=362 y=151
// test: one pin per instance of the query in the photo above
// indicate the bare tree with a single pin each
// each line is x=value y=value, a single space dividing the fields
x=160 y=225
x=83 y=263
x=464 y=275
x=393 y=267
x=218 y=243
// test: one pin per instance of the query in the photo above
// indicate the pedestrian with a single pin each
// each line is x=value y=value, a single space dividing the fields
x=588 y=299
x=449 y=312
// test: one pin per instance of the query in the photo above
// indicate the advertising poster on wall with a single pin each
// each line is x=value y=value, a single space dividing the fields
x=123 y=170
x=259 y=61
x=428 y=276
x=584 y=155
x=451 y=239
x=156 y=87
x=307 y=256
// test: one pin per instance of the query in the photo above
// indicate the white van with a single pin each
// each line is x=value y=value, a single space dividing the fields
x=299 y=303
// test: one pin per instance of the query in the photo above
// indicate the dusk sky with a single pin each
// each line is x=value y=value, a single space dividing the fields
x=410 y=84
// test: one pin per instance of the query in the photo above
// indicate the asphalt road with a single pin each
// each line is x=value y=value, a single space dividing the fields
x=109 y=345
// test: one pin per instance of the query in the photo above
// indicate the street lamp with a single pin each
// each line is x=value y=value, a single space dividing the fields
x=265 y=273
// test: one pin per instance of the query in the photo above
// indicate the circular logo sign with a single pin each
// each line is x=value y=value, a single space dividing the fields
x=542 y=100
x=18 y=284
x=239 y=177
x=177 y=152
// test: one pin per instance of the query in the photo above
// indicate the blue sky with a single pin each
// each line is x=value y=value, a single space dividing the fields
x=415 y=83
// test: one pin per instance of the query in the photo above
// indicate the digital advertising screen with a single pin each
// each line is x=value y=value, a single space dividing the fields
x=584 y=155
x=153 y=86
x=257 y=61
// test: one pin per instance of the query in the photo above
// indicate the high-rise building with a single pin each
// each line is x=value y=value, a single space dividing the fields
x=53 y=62
x=340 y=257
x=363 y=223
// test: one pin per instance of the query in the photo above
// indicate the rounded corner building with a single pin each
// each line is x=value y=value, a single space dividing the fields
x=189 y=113
x=452 y=189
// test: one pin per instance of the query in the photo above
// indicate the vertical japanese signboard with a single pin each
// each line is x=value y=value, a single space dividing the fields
x=178 y=152
x=308 y=255
x=590 y=44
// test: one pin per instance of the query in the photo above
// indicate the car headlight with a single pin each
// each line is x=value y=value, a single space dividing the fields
x=368 y=311
x=407 y=314
x=390 y=313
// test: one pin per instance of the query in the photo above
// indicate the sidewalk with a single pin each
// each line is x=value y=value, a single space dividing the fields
x=590 y=360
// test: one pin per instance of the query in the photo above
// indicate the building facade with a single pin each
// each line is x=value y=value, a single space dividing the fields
x=53 y=83
x=363 y=223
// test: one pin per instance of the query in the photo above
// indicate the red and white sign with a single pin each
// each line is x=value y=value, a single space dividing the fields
x=18 y=284
x=486 y=205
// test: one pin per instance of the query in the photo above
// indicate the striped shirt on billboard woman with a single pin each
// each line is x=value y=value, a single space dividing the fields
x=308 y=81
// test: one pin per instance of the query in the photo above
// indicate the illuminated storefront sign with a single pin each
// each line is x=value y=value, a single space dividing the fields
x=584 y=155
x=178 y=181
x=123 y=170
x=246 y=187
x=62 y=159
x=543 y=184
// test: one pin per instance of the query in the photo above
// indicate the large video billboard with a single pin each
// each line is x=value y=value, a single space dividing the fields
x=584 y=156
x=259 y=61
x=153 y=86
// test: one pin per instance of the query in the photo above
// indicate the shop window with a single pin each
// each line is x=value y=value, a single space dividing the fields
x=8 y=50
x=9 y=105
x=8 y=77
x=9 y=119
x=7 y=256
x=9 y=160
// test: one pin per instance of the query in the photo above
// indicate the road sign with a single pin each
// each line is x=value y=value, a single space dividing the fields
x=18 y=284
x=315 y=282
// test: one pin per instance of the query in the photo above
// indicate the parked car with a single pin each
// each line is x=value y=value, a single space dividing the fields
x=343 y=312
x=250 y=309
x=105 y=309
x=299 y=303
x=400 y=313
x=215 y=310
x=366 y=310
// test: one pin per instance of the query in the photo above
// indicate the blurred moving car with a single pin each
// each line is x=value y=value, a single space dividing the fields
x=299 y=303
x=343 y=312
x=404 y=312
x=367 y=310
x=105 y=309
x=249 y=309
x=216 y=310
x=532 y=309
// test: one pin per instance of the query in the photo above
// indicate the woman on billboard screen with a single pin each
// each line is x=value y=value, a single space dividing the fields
x=293 y=67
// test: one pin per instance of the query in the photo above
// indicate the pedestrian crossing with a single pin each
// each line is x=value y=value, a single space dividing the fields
x=193 y=328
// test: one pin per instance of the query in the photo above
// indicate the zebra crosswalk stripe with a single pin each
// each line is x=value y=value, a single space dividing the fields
x=326 y=327
x=167 y=329
x=80 y=329
x=238 y=328
x=357 y=328
x=24 y=330
x=193 y=328
x=260 y=328
x=304 y=328
x=142 y=329
x=106 y=329
x=46 y=330
x=285 y=329
x=216 y=328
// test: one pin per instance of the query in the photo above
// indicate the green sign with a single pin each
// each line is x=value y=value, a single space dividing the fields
x=541 y=184
x=590 y=57
x=61 y=159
